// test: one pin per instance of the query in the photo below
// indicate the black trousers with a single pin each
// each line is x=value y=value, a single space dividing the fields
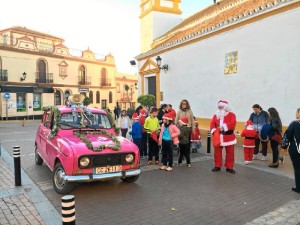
x=264 y=147
x=153 y=149
x=275 y=151
x=295 y=158
x=184 y=150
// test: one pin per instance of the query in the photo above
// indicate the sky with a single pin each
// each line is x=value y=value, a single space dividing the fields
x=103 y=26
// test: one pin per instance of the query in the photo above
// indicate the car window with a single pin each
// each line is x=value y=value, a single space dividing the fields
x=48 y=119
x=78 y=120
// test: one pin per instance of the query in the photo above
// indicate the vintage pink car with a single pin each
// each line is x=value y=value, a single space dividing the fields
x=80 y=145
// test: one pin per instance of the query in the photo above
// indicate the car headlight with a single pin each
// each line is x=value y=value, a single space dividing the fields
x=84 y=161
x=129 y=158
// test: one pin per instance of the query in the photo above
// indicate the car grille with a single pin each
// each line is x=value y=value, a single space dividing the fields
x=109 y=159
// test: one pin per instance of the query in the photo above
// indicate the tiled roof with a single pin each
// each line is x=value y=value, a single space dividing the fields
x=29 y=31
x=211 y=18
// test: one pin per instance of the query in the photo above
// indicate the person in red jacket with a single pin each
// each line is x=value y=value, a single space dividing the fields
x=249 y=134
x=195 y=139
x=225 y=120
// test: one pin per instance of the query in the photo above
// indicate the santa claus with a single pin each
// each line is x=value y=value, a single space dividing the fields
x=225 y=120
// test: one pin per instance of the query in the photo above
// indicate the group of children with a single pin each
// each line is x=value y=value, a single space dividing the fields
x=165 y=137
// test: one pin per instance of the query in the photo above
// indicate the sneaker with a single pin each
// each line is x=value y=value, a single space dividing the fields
x=169 y=168
x=149 y=162
x=274 y=165
x=156 y=162
x=254 y=157
x=263 y=158
x=249 y=162
x=179 y=164
x=295 y=190
x=246 y=162
x=188 y=165
x=163 y=168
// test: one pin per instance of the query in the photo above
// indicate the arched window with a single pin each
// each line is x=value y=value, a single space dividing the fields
x=118 y=88
x=57 y=100
x=91 y=97
x=98 y=97
x=81 y=75
x=110 y=97
x=103 y=81
x=66 y=96
x=42 y=70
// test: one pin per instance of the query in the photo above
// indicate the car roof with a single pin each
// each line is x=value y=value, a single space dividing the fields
x=66 y=109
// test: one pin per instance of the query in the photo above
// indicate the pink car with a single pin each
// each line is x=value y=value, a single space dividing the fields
x=81 y=145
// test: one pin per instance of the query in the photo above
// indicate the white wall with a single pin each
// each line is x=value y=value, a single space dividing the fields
x=268 y=69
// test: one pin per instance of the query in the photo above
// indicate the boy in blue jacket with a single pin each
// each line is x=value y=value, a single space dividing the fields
x=136 y=132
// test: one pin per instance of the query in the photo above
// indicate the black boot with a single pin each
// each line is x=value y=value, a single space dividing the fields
x=230 y=171
x=216 y=169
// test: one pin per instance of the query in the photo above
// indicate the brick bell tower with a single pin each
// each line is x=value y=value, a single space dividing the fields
x=157 y=17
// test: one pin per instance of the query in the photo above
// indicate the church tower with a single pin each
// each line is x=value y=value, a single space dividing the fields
x=157 y=17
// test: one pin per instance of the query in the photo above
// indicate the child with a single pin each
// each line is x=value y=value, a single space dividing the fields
x=184 y=141
x=196 y=138
x=249 y=134
x=151 y=125
x=168 y=135
x=142 y=118
x=136 y=132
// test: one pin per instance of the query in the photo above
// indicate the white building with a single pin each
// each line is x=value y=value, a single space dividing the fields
x=243 y=51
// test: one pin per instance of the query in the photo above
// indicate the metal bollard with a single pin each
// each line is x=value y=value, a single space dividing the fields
x=68 y=209
x=17 y=164
x=208 y=141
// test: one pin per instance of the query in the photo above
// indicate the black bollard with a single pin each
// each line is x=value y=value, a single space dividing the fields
x=17 y=164
x=68 y=209
x=208 y=141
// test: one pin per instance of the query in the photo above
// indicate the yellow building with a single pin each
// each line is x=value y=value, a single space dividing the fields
x=37 y=69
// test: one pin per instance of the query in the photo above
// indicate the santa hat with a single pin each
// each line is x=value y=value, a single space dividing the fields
x=143 y=112
x=183 y=120
x=223 y=103
x=135 y=116
x=249 y=124
x=168 y=116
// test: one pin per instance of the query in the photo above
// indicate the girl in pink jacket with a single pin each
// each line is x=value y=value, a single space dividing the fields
x=168 y=135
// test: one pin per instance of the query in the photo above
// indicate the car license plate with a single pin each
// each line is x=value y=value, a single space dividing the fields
x=107 y=169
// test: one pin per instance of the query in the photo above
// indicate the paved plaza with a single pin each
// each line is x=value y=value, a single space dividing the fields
x=256 y=194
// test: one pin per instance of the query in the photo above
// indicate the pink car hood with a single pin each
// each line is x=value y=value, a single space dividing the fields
x=96 y=140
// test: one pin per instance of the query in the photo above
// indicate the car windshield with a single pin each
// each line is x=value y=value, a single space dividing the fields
x=77 y=120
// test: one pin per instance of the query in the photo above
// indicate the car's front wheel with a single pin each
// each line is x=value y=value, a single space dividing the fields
x=60 y=185
x=130 y=179
x=38 y=159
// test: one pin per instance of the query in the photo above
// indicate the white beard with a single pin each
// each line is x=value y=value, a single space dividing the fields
x=220 y=113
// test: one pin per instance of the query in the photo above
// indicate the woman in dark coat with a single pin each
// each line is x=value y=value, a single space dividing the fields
x=275 y=135
x=292 y=136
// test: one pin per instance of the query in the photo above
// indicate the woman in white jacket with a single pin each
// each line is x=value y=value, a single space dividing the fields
x=124 y=123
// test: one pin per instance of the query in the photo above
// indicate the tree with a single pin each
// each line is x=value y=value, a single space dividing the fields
x=146 y=100
x=86 y=101
x=126 y=89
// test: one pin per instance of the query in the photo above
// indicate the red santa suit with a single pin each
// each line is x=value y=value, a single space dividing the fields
x=227 y=124
x=249 y=134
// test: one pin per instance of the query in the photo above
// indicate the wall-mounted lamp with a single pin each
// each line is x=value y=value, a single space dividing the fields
x=132 y=62
x=23 y=76
x=136 y=86
x=158 y=62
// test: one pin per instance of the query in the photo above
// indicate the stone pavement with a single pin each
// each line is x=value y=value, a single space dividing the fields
x=28 y=205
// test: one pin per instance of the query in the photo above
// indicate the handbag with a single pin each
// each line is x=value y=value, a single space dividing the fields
x=216 y=138
x=277 y=138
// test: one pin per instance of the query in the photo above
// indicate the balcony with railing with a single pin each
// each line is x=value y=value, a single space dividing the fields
x=44 y=78
x=82 y=81
x=3 y=75
x=105 y=82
